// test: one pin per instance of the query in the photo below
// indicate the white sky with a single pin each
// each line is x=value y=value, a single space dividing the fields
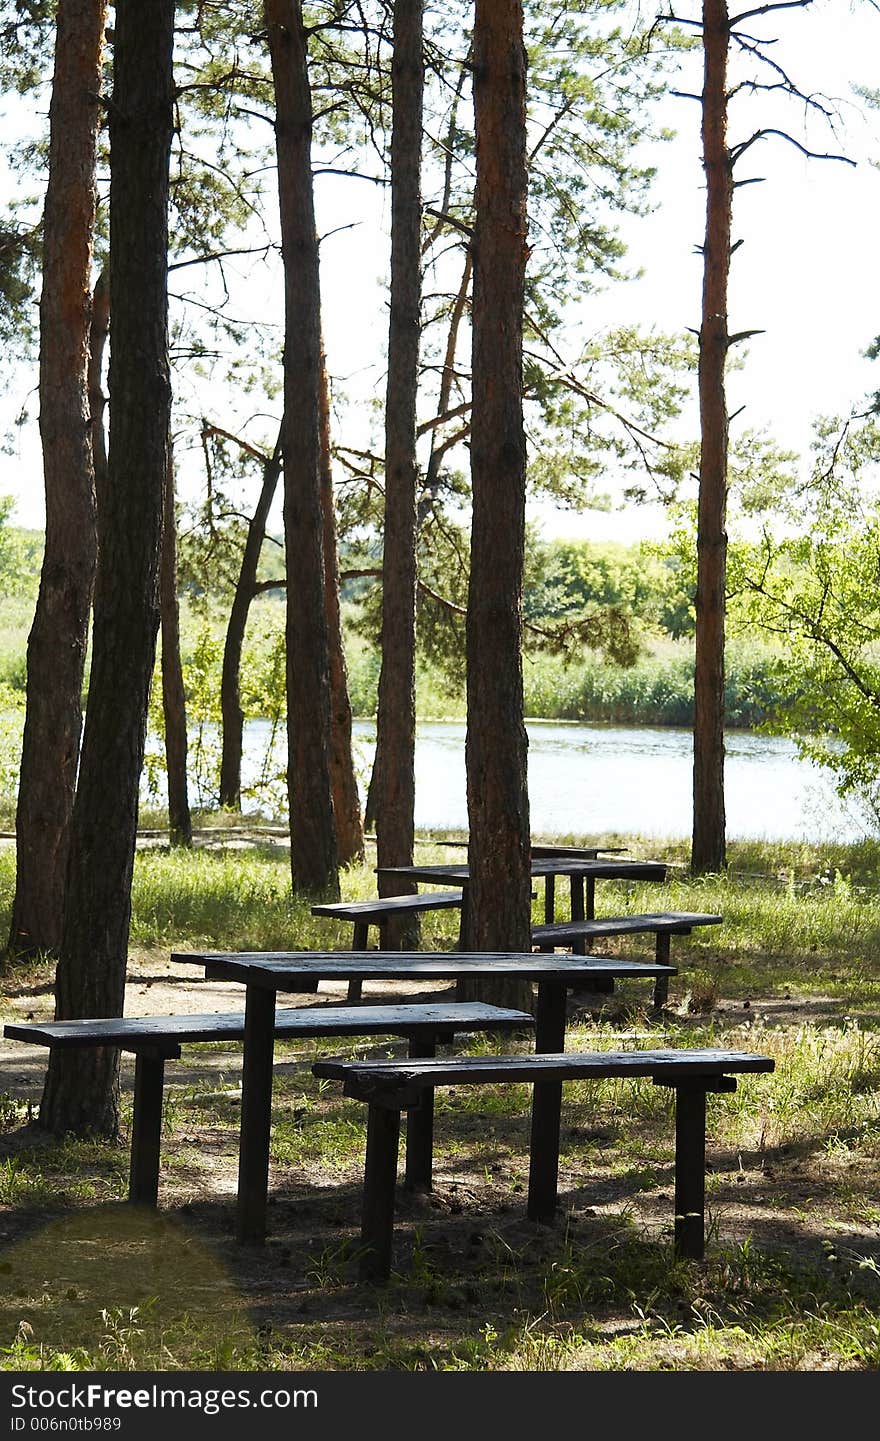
x=807 y=273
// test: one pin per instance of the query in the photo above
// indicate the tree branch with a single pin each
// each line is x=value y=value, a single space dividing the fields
x=739 y=150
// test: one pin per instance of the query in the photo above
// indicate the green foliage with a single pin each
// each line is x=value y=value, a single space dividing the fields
x=569 y=575
x=657 y=690
x=18 y=260
x=21 y=554
x=11 y=731
x=814 y=587
x=263 y=697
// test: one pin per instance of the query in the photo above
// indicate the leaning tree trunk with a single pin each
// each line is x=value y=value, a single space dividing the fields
x=393 y=787
x=708 y=850
x=81 y=1092
x=496 y=750
x=173 y=693
x=231 y=712
x=343 y=781
x=313 y=855
x=57 y=643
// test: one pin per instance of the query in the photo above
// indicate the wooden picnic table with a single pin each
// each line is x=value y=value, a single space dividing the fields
x=583 y=873
x=266 y=973
x=541 y=848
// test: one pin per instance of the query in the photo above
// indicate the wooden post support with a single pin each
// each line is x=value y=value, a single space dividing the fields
x=380 y=1178
x=546 y=1105
x=359 y=943
x=549 y=900
x=661 y=983
x=256 y=1115
x=146 y=1129
x=690 y=1170
x=420 y=1125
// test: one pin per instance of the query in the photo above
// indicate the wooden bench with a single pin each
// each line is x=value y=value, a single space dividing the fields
x=155 y=1039
x=380 y=911
x=661 y=924
x=391 y=1087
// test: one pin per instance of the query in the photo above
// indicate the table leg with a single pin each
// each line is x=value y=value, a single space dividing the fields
x=256 y=1116
x=690 y=1171
x=579 y=947
x=380 y=1175
x=549 y=900
x=546 y=1104
x=577 y=898
x=420 y=1126
x=359 y=942
x=661 y=983
x=146 y=1129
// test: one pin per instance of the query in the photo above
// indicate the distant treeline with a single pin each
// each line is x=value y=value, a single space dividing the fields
x=647 y=584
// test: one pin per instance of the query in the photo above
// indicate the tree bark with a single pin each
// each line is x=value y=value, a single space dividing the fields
x=708 y=850
x=393 y=787
x=173 y=694
x=57 y=643
x=231 y=712
x=81 y=1091
x=343 y=781
x=496 y=747
x=313 y=855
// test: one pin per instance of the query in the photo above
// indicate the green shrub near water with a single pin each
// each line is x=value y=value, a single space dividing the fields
x=657 y=690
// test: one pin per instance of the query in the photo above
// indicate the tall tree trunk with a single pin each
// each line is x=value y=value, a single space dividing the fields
x=393 y=788
x=81 y=1091
x=343 y=781
x=708 y=850
x=230 y=680
x=173 y=695
x=496 y=747
x=313 y=855
x=59 y=634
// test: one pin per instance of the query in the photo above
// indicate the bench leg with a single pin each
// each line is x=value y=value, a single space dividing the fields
x=256 y=1116
x=661 y=983
x=146 y=1130
x=690 y=1171
x=380 y=1178
x=420 y=1126
x=546 y=1105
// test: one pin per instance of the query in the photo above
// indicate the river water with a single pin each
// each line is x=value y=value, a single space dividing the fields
x=600 y=779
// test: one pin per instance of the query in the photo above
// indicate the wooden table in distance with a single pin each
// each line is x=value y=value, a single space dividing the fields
x=266 y=973
x=583 y=873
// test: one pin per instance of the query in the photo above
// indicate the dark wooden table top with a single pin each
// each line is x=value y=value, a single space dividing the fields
x=595 y=868
x=285 y=970
x=540 y=848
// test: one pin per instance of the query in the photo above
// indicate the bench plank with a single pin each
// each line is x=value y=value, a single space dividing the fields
x=389 y=1087
x=155 y=1039
x=380 y=911
x=381 y=907
x=387 y=1080
x=661 y=924
x=132 y=1033
x=655 y=922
